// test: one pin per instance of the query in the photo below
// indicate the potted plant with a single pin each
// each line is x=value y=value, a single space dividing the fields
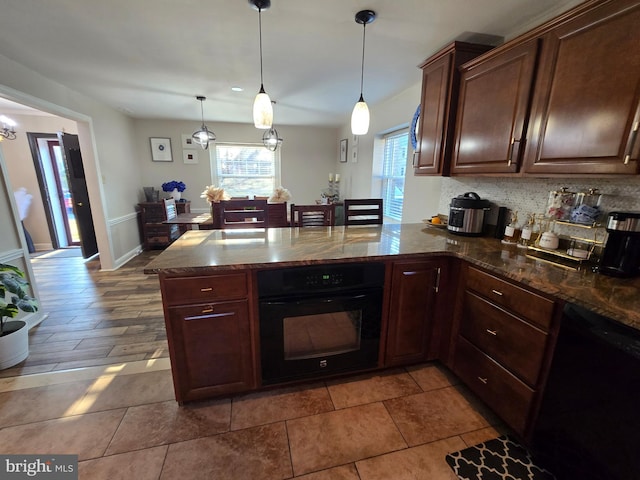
x=14 y=297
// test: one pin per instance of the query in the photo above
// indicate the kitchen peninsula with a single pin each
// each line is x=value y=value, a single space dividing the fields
x=440 y=294
x=210 y=251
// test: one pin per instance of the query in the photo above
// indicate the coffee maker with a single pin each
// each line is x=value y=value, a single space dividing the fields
x=621 y=255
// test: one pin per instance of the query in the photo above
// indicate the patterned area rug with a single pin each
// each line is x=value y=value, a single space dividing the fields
x=498 y=459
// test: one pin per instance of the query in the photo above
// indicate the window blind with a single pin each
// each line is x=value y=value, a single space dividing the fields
x=245 y=169
x=396 y=146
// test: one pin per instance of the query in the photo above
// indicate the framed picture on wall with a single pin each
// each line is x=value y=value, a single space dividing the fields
x=161 y=149
x=190 y=156
x=187 y=141
x=343 y=150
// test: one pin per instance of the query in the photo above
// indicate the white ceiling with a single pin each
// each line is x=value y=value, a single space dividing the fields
x=150 y=58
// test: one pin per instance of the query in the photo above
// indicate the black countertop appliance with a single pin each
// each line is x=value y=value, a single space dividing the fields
x=621 y=255
x=467 y=214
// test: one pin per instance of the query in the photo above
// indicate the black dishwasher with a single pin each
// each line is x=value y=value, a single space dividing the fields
x=589 y=423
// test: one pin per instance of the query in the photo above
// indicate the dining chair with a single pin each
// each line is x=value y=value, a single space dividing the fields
x=243 y=214
x=170 y=209
x=313 y=215
x=363 y=211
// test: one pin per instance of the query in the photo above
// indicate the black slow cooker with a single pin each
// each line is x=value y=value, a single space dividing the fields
x=467 y=214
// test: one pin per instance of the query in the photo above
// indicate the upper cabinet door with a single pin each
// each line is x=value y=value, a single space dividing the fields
x=585 y=111
x=434 y=106
x=492 y=111
x=438 y=104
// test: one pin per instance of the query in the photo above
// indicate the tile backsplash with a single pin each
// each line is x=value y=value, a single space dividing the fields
x=530 y=195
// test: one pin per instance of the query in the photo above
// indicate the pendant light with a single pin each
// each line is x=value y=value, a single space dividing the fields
x=360 y=115
x=271 y=139
x=262 y=109
x=203 y=136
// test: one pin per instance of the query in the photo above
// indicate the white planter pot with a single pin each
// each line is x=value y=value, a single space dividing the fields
x=14 y=347
x=176 y=195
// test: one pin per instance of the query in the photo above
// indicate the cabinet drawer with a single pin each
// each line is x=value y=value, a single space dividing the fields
x=507 y=396
x=210 y=288
x=524 y=303
x=515 y=344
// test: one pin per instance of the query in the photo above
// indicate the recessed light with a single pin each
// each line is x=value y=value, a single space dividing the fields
x=237 y=89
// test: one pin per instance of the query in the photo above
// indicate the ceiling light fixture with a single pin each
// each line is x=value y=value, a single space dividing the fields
x=262 y=109
x=360 y=115
x=7 y=131
x=203 y=136
x=271 y=140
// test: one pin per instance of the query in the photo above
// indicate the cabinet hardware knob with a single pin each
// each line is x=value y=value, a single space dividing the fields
x=492 y=332
x=437 y=286
x=483 y=380
x=207 y=310
x=497 y=292
x=206 y=289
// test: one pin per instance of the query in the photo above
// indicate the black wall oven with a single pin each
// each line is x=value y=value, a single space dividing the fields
x=319 y=320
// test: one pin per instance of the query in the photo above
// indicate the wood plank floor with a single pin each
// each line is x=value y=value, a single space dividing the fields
x=95 y=318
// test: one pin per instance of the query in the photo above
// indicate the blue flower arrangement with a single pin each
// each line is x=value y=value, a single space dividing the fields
x=174 y=185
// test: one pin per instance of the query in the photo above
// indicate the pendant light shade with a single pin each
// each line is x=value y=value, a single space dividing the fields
x=262 y=109
x=271 y=139
x=360 y=118
x=203 y=136
x=360 y=114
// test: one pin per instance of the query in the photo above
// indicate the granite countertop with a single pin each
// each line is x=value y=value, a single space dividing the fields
x=204 y=251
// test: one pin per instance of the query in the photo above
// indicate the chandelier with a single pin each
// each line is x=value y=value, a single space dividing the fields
x=7 y=131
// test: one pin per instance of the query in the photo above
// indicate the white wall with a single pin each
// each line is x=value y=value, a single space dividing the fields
x=106 y=141
x=421 y=194
x=22 y=173
x=308 y=155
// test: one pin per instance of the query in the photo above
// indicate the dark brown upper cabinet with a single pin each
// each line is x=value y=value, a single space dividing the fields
x=586 y=105
x=439 y=97
x=493 y=110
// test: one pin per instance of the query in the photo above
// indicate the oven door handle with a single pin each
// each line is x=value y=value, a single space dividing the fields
x=311 y=301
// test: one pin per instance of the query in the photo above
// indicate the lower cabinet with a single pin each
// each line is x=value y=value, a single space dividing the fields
x=415 y=288
x=210 y=343
x=501 y=343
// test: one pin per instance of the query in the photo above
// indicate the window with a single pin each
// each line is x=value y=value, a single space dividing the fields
x=394 y=164
x=246 y=169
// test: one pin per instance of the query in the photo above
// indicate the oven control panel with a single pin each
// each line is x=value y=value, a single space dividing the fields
x=324 y=280
x=319 y=278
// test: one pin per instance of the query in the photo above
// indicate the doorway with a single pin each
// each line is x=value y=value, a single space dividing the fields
x=60 y=174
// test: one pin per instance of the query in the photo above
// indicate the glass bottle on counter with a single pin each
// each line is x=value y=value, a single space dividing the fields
x=511 y=231
x=527 y=231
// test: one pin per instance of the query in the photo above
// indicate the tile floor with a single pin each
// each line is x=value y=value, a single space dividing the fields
x=98 y=384
x=124 y=423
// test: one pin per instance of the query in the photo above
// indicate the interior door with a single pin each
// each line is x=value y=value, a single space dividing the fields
x=78 y=186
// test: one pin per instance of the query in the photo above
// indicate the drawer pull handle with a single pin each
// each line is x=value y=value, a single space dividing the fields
x=207 y=310
x=492 y=332
x=483 y=380
x=206 y=289
x=497 y=292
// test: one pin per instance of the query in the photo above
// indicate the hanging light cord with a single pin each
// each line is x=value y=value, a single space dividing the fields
x=364 y=33
x=202 y=113
x=260 y=28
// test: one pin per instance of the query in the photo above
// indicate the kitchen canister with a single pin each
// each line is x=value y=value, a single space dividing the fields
x=560 y=204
